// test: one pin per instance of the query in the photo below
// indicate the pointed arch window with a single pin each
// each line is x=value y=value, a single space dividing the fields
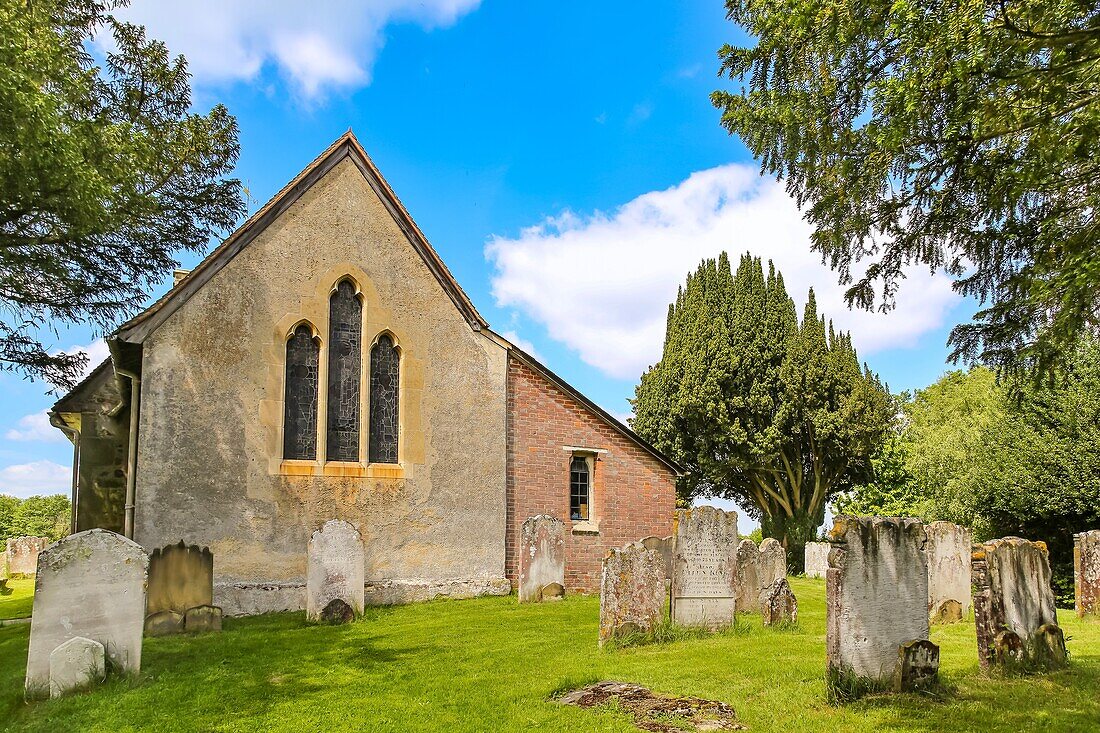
x=385 y=380
x=300 y=395
x=344 y=373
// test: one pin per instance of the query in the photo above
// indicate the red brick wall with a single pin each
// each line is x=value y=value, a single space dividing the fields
x=634 y=493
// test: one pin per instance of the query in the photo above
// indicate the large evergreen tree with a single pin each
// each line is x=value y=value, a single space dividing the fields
x=960 y=135
x=772 y=413
x=105 y=175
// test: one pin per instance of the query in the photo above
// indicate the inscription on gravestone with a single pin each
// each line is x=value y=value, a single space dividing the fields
x=704 y=573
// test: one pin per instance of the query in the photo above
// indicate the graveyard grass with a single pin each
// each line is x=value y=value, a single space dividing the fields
x=492 y=664
x=17 y=603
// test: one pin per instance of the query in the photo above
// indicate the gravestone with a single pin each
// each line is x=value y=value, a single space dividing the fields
x=704 y=567
x=948 y=552
x=201 y=619
x=541 y=559
x=918 y=666
x=90 y=584
x=817 y=559
x=773 y=562
x=663 y=547
x=632 y=592
x=335 y=569
x=181 y=577
x=749 y=584
x=778 y=605
x=1013 y=600
x=76 y=665
x=876 y=595
x=164 y=623
x=22 y=555
x=1086 y=573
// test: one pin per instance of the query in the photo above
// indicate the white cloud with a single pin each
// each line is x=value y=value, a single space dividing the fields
x=96 y=352
x=523 y=344
x=317 y=46
x=35 y=428
x=601 y=283
x=38 y=477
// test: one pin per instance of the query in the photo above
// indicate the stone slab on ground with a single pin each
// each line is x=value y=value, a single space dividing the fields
x=948 y=551
x=76 y=665
x=653 y=712
x=876 y=593
x=1013 y=599
x=704 y=568
x=632 y=592
x=335 y=568
x=90 y=584
x=1086 y=573
x=541 y=557
x=817 y=559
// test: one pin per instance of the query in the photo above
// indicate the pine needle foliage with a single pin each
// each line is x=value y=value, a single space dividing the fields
x=773 y=413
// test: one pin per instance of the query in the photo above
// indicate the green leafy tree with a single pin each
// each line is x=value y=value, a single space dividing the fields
x=891 y=492
x=774 y=414
x=105 y=175
x=8 y=506
x=958 y=135
x=36 y=516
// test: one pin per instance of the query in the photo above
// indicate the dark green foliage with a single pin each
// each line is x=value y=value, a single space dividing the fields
x=772 y=413
x=104 y=175
x=956 y=135
x=37 y=516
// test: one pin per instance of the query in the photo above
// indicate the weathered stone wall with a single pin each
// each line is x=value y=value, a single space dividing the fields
x=1012 y=597
x=948 y=551
x=21 y=555
x=209 y=463
x=704 y=567
x=634 y=495
x=817 y=559
x=1086 y=572
x=876 y=594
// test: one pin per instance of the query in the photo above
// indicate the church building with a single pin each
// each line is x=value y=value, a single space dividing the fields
x=322 y=363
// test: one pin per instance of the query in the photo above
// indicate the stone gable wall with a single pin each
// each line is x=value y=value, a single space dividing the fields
x=634 y=494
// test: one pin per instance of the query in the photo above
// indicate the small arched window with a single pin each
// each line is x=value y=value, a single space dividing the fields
x=300 y=395
x=385 y=378
x=344 y=373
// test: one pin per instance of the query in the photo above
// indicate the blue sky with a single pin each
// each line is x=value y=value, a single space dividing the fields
x=563 y=158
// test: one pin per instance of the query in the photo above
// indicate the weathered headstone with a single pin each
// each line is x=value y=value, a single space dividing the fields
x=90 y=584
x=541 y=558
x=1013 y=600
x=22 y=555
x=335 y=569
x=817 y=559
x=76 y=665
x=773 y=562
x=164 y=623
x=1086 y=572
x=778 y=605
x=181 y=577
x=749 y=584
x=918 y=665
x=632 y=592
x=704 y=567
x=876 y=596
x=948 y=551
x=663 y=547
x=201 y=619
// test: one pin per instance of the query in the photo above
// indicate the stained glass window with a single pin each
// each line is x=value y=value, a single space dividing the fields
x=344 y=373
x=300 y=395
x=385 y=377
x=579 y=495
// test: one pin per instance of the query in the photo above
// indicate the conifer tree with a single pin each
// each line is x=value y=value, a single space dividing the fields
x=773 y=413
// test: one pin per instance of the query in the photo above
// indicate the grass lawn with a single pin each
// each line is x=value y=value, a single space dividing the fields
x=490 y=664
x=17 y=603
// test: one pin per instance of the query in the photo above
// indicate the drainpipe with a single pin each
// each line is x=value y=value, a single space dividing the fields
x=131 y=457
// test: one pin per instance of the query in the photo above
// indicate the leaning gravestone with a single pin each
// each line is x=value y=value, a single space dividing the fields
x=817 y=559
x=1086 y=573
x=704 y=567
x=76 y=665
x=90 y=584
x=181 y=577
x=773 y=562
x=948 y=551
x=335 y=569
x=22 y=555
x=1014 y=614
x=778 y=605
x=541 y=559
x=632 y=592
x=748 y=577
x=876 y=595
